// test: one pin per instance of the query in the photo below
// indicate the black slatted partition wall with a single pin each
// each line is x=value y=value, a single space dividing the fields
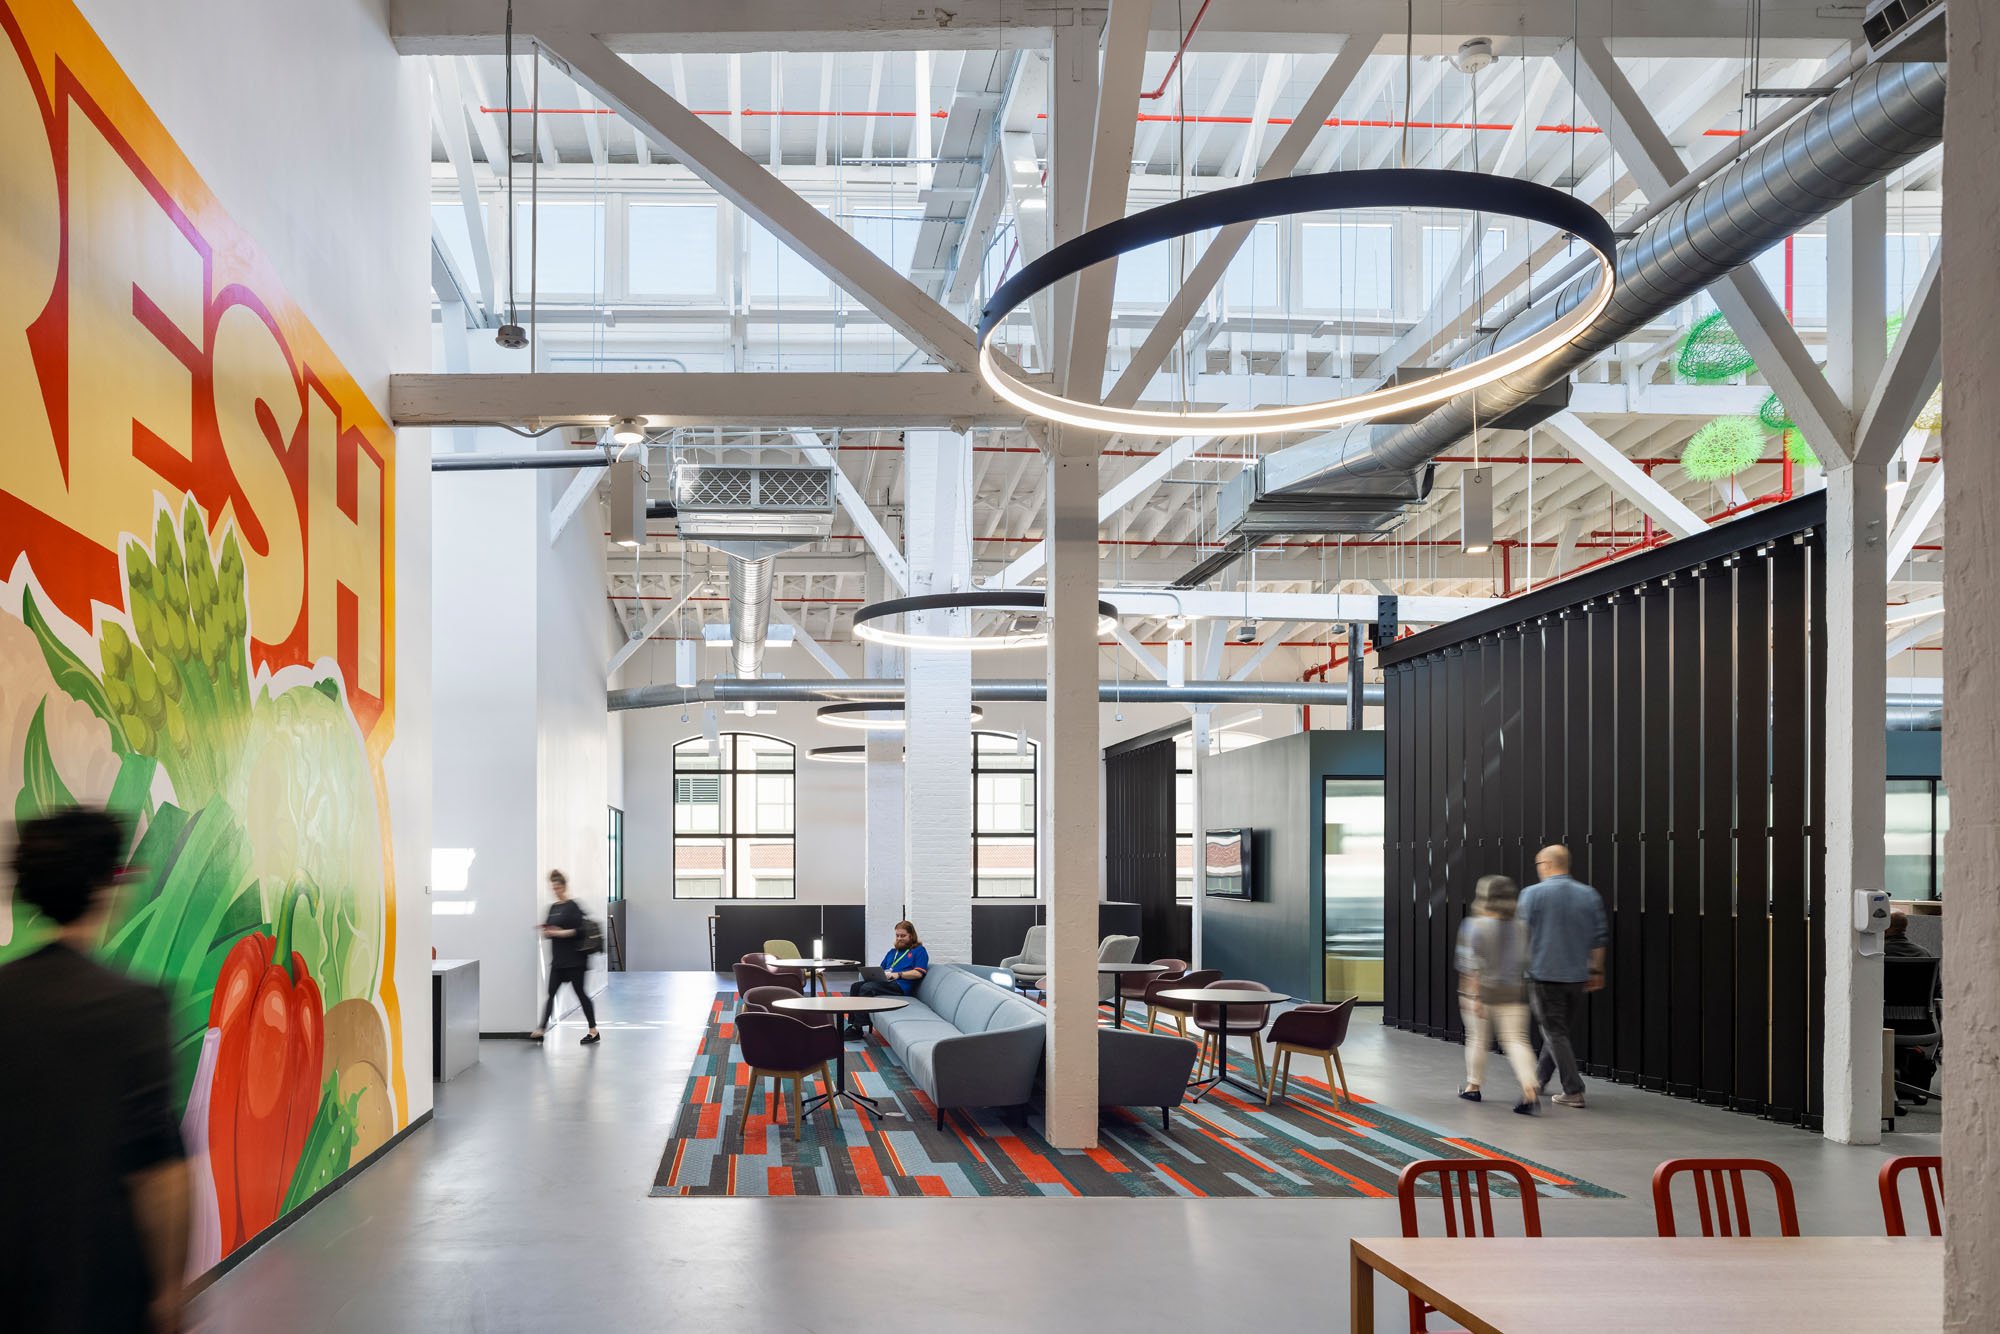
x=1139 y=844
x=1661 y=716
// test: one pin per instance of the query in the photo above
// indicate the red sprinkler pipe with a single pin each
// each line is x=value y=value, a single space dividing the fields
x=1175 y=63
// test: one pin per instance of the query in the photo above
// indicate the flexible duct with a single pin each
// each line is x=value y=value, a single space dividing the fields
x=1886 y=116
x=983 y=692
x=750 y=587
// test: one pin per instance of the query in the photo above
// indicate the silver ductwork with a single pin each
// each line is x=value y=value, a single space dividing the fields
x=984 y=692
x=1886 y=116
x=750 y=586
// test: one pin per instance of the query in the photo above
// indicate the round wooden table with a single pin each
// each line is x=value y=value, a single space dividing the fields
x=814 y=968
x=1222 y=999
x=839 y=1006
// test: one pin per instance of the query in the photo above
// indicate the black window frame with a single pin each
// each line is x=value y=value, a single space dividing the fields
x=1034 y=835
x=727 y=773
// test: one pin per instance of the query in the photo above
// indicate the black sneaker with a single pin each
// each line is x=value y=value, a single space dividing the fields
x=1530 y=1108
x=1469 y=1094
x=589 y=1038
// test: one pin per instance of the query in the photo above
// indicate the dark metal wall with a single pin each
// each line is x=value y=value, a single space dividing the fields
x=1662 y=717
x=1139 y=845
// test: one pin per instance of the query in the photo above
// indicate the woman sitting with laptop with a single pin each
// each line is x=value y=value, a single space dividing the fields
x=903 y=966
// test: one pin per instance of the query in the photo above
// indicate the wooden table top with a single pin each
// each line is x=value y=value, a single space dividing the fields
x=814 y=963
x=840 y=1004
x=1217 y=996
x=1668 y=1285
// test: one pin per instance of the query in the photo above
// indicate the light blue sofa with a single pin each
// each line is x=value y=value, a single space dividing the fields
x=965 y=1040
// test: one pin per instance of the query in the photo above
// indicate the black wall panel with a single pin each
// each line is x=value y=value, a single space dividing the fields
x=1139 y=845
x=1662 y=716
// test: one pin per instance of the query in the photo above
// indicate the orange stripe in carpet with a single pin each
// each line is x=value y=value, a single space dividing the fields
x=894 y=1161
x=965 y=1139
x=1479 y=1152
x=778 y=1181
x=1187 y=1185
x=731 y=1190
x=933 y=1186
x=1372 y=1191
x=1233 y=1149
x=1105 y=1159
x=673 y=1174
x=1190 y=1112
x=1033 y=1166
x=866 y=1172
x=708 y=1120
x=727 y=1032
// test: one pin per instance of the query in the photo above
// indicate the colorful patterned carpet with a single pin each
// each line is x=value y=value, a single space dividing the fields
x=1225 y=1145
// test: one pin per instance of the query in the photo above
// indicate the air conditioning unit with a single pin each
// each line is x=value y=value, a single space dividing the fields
x=1905 y=29
x=744 y=508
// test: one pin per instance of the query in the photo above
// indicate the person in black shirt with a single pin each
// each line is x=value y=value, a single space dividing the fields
x=1896 y=942
x=94 y=1209
x=567 y=961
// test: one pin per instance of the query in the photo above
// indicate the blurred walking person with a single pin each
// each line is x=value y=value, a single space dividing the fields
x=1493 y=989
x=569 y=961
x=1567 y=932
x=94 y=1207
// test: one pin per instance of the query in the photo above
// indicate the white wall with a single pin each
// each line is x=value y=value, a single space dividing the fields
x=314 y=135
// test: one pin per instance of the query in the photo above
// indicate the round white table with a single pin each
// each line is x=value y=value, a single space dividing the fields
x=1222 y=999
x=814 y=968
x=839 y=1006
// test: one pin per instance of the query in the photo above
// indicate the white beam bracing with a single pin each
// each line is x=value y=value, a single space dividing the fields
x=872 y=532
x=1110 y=172
x=820 y=240
x=458 y=151
x=1918 y=511
x=1623 y=476
x=1909 y=378
x=1291 y=147
x=1916 y=633
x=1264 y=650
x=1122 y=493
x=581 y=488
x=1149 y=664
x=1746 y=302
x=650 y=628
x=808 y=643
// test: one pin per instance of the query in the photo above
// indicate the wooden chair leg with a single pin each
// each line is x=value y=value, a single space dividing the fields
x=749 y=1096
x=1180 y=1023
x=1344 y=1094
x=798 y=1107
x=1151 y=1018
x=1257 y=1050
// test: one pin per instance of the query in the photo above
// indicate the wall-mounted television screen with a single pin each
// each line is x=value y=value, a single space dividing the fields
x=1228 y=864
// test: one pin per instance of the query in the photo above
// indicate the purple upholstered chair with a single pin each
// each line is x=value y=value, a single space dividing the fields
x=777 y=1046
x=1178 y=1011
x=1134 y=988
x=751 y=974
x=1242 y=1019
x=765 y=999
x=1310 y=1030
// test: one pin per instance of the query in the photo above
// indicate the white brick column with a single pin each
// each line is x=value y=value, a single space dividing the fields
x=1971 y=277
x=882 y=835
x=937 y=759
x=1071 y=770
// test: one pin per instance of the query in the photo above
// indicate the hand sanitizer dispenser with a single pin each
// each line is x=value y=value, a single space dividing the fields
x=1871 y=919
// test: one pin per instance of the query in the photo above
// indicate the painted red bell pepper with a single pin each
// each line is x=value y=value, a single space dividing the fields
x=267 y=1077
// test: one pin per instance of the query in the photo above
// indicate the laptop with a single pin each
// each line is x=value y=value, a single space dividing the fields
x=870 y=973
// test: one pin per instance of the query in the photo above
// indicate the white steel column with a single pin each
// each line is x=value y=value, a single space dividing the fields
x=882 y=833
x=1071 y=774
x=1972 y=678
x=937 y=760
x=1857 y=549
x=1856 y=677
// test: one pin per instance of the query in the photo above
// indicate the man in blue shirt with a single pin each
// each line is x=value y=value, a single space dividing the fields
x=1567 y=931
x=903 y=966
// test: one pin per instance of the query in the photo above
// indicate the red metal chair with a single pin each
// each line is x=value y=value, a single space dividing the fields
x=1462 y=1184
x=1719 y=1195
x=1930 y=1175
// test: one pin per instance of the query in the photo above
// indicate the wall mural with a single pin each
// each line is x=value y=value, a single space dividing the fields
x=196 y=626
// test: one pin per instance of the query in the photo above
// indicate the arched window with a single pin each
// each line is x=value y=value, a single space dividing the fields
x=734 y=818
x=1003 y=816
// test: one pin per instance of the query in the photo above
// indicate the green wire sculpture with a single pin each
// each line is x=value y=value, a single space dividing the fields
x=1723 y=448
x=1712 y=352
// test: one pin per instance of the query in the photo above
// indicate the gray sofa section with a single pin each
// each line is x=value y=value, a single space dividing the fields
x=966 y=1041
x=969 y=1041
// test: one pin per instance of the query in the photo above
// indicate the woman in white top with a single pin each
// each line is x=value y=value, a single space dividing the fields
x=1493 y=989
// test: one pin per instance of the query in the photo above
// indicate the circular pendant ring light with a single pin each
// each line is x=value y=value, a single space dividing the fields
x=869 y=620
x=839 y=754
x=1466 y=191
x=861 y=715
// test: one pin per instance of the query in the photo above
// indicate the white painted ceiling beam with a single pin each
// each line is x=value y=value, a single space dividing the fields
x=1622 y=475
x=1149 y=664
x=775 y=400
x=886 y=548
x=638 y=638
x=1123 y=65
x=1214 y=262
x=449 y=112
x=1918 y=511
x=1272 y=640
x=1910 y=375
x=1914 y=634
x=820 y=240
x=1115 y=498
x=431 y=27
x=808 y=643
x=1236 y=605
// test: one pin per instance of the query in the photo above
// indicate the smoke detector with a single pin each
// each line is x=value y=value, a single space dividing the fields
x=512 y=337
x=1474 y=55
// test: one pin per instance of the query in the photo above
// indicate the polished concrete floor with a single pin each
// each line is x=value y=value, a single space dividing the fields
x=523 y=1206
